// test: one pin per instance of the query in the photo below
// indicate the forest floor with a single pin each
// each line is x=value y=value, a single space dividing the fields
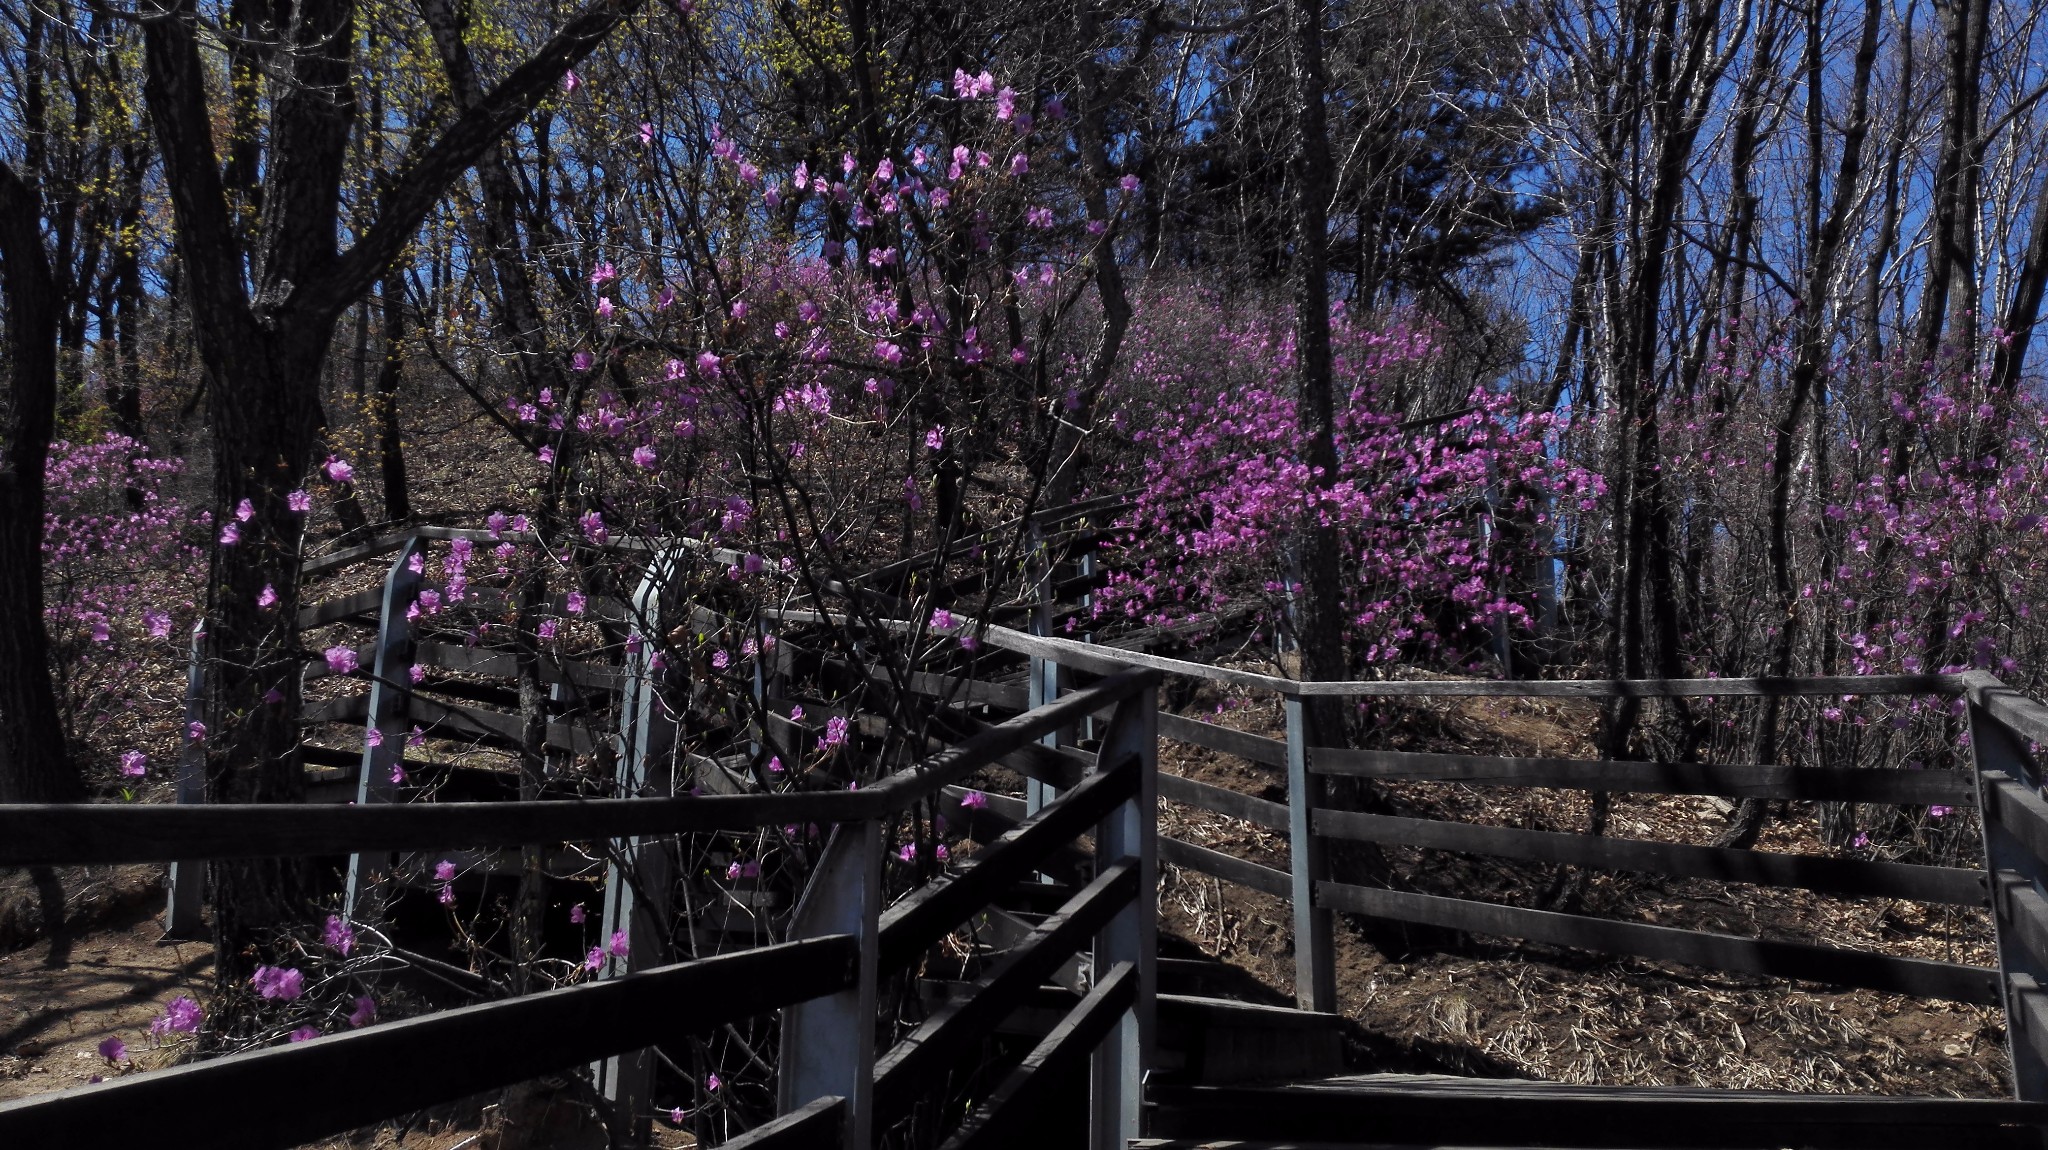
x=1498 y=1008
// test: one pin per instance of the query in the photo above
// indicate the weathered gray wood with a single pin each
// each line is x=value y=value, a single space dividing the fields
x=818 y=1125
x=2015 y=711
x=2016 y=810
x=912 y=1065
x=1852 y=878
x=1315 y=961
x=1094 y=657
x=1005 y=1116
x=1804 y=961
x=1229 y=868
x=638 y=875
x=351 y=708
x=334 y=610
x=446 y=718
x=1257 y=748
x=927 y=914
x=388 y=714
x=2007 y=773
x=186 y=898
x=336 y=560
x=1224 y=801
x=264 y=1099
x=1127 y=836
x=828 y=1044
x=1769 y=782
x=505 y=665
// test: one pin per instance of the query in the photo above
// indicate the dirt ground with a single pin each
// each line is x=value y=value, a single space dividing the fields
x=1493 y=1007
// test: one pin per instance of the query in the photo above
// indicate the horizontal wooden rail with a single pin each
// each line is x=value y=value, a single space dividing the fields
x=1257 y=748
x=288 y=1095
x=1229 y=868
x=505 y=665
x=1004 y=1117
x=1855 y=878
x=1953 y=788
x=2021 y=715
x=913 y=1064
x=445 y=718
x=926 y=915
x=2017 y=809
x=1223 y=801
x=817 y=1125
x=80 y=834
x=1912 y=976
x=351 y=708
x=334 y=610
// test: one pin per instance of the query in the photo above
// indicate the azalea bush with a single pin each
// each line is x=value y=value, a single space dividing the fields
x=124 y=566
x=1224 y=497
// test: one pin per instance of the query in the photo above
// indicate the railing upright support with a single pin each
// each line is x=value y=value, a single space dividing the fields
x=1315 y=965
x=1043 y=687
x=2016 y=877
x=1116 y=1091
x=637 y=875
x=390 y=712
x=828 y=1044
x=187 y=879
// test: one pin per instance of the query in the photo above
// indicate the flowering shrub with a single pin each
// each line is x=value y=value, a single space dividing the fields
x=124 y=563
x=1225 y=497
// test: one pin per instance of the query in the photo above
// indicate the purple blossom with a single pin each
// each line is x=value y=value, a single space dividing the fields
x=283 y=983
x=835 y=732
x=577 y=914
x=338 y=470
x=305 y=1033
x=267 y=598
x=134 y=764
x=444 y=871
x=365 y=1012
x=617 y=946
x=338 y=936
x=181 y=1016
x=973 y=801
x=113 y=1049
x=341 y=660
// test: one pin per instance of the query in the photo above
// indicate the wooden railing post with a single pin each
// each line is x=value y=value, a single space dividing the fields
x=637 y=877
x=188 y=877
x=389 y=716
x=828 y=1044
x=1315 y=968
x=1043 y=686
x=2016 y=874
x=1130 y=831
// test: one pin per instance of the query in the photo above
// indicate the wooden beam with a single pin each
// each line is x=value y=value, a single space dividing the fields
x=1229 y=868
x=1006 y=1115
x=1257 y=748
x=1851 y=878
x=1224 y=801
x=287 y=1095
x=820 y=1125
x=1953 y=788
x=1804 y=961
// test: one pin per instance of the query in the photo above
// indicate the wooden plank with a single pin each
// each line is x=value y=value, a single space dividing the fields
x=1852 y=878
x=1386 y=1111
x=341 y=709
x=820 y=1125
x=1257 y=748
x=505 y=665
x=927 y=914
x=1224 y=801
x=914 y=1064
x=336 y=560
x=382 y=1072
x=333 y=610
x=1805 y=961
x=1005 y=1116
x=1953 y=788
x=441 y=718
x=2017 y=809
x=1096 y=657
x=1229 y=868
x=77 y=834
x=2020 y=714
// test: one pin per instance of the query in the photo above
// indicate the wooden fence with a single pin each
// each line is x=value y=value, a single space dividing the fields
x=837 y=1088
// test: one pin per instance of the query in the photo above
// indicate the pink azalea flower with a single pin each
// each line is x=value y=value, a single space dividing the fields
x=365 y=1012
x=231 y=535
x=444 y=871
x=113 y=1049
x=595 y=959
x=245 y=511
x=338 y=936
x=283 y=983
x=299 y=501
x=570 y=81
x=338 y=470
x=195 y=730
x=617 y=947
x=341 y=660
x=134 y=764
x=973 y=801
x=305 y=1033
x=577 y=914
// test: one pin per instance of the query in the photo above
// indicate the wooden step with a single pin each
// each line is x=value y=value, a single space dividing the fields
x=1220 y=1041
x=1389 y=1110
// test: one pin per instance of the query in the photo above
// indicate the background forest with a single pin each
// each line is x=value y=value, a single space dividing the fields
x=1657 y=339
